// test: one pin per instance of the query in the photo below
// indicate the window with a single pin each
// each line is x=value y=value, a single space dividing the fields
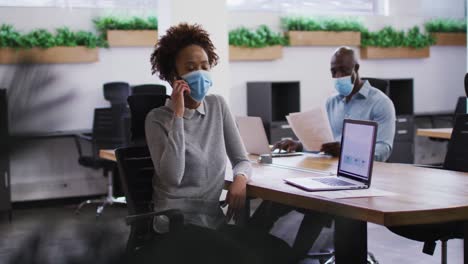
x=311 y=6
x=82 y=3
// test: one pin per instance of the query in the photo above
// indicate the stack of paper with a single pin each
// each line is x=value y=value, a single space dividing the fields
x=311 y=128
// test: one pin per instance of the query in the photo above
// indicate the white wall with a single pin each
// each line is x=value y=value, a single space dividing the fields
x=82 y=81
x=438 y=80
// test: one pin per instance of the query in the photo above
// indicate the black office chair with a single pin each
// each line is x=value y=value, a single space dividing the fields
x=116 y=93
x=140 y=105
x=106 y=134
x=456 y=159
x=156 y=89
x=457 y=153
x=461 y=107
x=136 y=174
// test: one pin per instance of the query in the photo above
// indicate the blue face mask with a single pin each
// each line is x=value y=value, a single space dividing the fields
x=199 y=82
x=343 y=85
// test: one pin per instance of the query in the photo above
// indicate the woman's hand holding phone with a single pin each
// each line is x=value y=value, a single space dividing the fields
x=179 y=89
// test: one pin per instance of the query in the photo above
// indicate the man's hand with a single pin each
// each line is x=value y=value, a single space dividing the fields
x=179 y=88
x=332 y=148
x=235 y=197
x=289 y=145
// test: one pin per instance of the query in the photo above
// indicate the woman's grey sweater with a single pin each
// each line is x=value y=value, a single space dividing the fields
x=189 y=156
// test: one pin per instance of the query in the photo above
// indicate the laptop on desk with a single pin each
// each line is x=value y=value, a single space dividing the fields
x=355 y=161
x=254 y=137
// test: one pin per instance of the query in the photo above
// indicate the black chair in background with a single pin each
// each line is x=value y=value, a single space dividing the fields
x=108 y=133
x=456 y=159
x=461 y=107
x=457 y=151
x=140 y=105
x=156 y=89
x=105 y=135
x=382 y=85
x=116 y=93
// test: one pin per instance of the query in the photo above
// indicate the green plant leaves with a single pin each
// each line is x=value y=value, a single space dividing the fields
x=263 y=36
x=320 y=24
x=389 y=37
x=9 y=37
x=446 y=26
x=42 y=38
x=131 y=23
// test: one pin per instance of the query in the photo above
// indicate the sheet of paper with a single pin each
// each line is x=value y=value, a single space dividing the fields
x=311 y=127
x=371 y=192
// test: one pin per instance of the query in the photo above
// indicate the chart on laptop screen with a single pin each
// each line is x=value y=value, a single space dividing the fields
x=357 y=148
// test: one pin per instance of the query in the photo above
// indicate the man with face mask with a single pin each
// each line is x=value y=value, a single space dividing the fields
x=356 y=99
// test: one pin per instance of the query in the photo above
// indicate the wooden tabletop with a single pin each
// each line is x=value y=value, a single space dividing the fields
x=442 y=133
x=420 y=195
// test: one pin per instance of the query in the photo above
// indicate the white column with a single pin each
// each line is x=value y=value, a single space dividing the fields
x=212 y=15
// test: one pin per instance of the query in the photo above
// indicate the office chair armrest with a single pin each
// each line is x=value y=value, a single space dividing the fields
x=176 y=218
x=85 y=136
x=78 y=137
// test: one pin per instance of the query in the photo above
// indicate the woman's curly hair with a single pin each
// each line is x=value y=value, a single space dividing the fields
x=177 y=38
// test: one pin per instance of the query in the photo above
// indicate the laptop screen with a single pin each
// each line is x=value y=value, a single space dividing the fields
x=357 y=150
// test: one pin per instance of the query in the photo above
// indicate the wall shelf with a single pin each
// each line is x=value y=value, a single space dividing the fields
x=394 y=53
x=255 y=54
x=450 y=39
x=324 y=38
x=132 y=38
x=51 y=55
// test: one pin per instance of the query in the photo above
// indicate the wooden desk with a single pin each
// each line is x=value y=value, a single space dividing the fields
x=441 y=133
x=421 y=196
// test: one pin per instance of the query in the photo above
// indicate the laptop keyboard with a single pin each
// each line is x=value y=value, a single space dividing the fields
x=333 y=182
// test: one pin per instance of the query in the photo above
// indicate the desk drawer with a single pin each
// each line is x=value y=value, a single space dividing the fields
x=404 y=128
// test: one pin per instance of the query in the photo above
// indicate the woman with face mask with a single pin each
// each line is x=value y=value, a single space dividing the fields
x=189 y=137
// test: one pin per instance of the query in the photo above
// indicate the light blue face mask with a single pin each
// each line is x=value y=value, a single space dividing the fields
x=199 y=83
x=343 y=85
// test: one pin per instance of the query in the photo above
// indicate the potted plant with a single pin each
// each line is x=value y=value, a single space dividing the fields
x=41 y=46
x=447 y=32
x=304 y=31
x=389 y=43
x=261 y=44
x=128 y=32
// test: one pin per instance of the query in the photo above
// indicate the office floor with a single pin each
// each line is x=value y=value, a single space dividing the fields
x=62 y=233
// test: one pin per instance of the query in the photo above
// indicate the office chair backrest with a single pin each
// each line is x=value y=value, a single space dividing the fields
x=466 y=84
x=156 y=89
x=116 y=92
x=140 y=106
x=5 y=142
x=457 y=151
x=108 y=129
x=461 y=107
x=3 y=118
x=382 y=85
x=136 y=175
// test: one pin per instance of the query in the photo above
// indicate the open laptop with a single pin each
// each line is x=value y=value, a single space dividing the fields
x=355 y=162
x=254 y=137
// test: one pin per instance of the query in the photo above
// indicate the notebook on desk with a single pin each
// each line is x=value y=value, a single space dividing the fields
x=254 y=137
x=355 y=161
